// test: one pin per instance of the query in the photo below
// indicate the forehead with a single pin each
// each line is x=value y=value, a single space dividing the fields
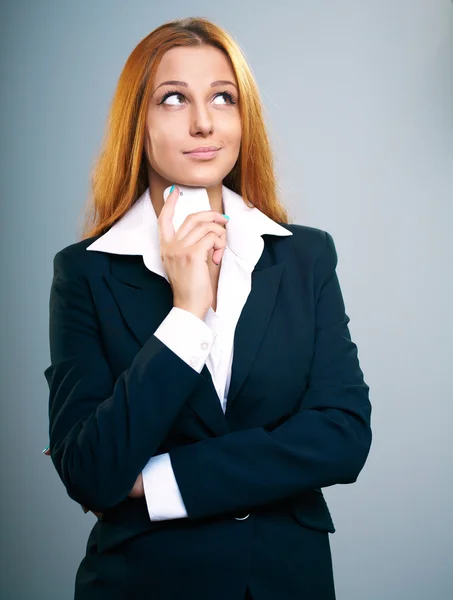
x=194 y=64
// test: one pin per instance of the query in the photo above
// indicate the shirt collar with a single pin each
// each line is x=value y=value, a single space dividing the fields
x=137 y=233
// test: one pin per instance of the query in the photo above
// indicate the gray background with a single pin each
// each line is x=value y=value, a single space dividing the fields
x=358 y=98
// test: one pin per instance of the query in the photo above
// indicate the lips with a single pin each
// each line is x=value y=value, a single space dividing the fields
x=203 y=149
x=203 y=153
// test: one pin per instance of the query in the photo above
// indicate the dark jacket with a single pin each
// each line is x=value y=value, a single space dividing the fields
x=297 y=420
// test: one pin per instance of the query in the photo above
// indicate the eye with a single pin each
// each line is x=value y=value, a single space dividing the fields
x=169 y=95
x=230 y=97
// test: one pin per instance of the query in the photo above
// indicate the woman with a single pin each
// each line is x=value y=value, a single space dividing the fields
x=204 y=465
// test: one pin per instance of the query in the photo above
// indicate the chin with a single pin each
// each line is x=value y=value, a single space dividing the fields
x=201 y=180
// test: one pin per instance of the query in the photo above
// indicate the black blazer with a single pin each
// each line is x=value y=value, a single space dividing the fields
x=297 y=420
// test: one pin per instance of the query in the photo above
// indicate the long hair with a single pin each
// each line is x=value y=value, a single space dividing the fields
x=120 y=175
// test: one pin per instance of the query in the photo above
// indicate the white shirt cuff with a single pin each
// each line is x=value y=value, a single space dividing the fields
x=163 y=498
x=187 y=336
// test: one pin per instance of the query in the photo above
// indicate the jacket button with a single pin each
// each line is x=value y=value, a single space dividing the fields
x=242 y=518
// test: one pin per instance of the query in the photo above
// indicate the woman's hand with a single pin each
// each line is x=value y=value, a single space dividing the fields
x=186 y=253
x=136 y=492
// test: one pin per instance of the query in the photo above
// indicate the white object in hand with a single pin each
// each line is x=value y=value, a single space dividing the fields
x=191 y=200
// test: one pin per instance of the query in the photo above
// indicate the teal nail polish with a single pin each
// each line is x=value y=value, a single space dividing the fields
x=226 y=217
x=45 y=449
x=172 y=188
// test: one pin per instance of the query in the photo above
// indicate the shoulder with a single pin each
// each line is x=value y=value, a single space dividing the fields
x=75 y=259
x=310 y=242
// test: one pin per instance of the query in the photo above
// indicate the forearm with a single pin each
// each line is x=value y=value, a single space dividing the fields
x=248 y=469
x=100 y=445
x=103 y=430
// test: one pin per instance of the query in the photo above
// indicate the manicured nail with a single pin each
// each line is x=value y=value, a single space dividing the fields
x=226 y=217
x=45 y=449
x=172 y=188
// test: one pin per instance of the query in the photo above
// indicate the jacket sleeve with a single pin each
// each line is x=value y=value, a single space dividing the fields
x=102 y=431
x=326 y=442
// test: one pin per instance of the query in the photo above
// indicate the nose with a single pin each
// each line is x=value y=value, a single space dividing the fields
x=201 y=119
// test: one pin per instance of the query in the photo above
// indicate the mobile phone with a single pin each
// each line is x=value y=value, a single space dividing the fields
x=191 y=200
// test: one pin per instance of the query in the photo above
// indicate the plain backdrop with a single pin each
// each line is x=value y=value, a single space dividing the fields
x=358 y=98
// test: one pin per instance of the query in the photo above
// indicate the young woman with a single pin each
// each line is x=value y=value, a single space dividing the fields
x=203 y=382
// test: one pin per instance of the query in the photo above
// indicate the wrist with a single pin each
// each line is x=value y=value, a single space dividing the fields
x=196 y=312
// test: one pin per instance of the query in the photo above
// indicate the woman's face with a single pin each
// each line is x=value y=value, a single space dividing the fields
x=200 y=108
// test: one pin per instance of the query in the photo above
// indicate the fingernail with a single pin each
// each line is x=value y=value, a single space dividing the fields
x=172 y=188
x=226 y=217
x=45 y=449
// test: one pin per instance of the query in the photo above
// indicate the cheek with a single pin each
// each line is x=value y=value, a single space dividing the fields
x=232 y=133
x=164 y=144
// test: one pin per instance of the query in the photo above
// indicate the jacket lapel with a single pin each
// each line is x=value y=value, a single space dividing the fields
x=145 y=299
x=252 y=325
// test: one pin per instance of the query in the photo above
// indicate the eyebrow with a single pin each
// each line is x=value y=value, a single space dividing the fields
x=184 y=84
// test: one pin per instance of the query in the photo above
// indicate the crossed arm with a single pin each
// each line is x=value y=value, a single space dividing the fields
x=102 y=440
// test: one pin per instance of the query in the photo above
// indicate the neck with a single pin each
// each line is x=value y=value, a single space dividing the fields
x=158 y=184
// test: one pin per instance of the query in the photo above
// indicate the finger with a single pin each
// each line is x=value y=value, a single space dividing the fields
x=220 y=243
x=166 y=229
x=199 y=231
x=208 y=242
x=217 y=256
x=194 y=219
